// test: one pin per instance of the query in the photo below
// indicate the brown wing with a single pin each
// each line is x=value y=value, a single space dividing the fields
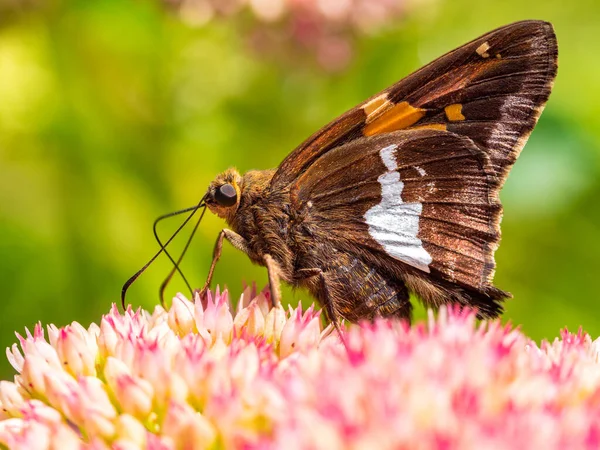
x=427 y=198
x=491 y=90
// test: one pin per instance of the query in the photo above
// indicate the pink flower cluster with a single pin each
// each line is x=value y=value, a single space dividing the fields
x=200 y=376
x=321 y=27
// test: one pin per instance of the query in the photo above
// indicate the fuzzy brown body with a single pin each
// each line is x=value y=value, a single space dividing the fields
x=400 y=194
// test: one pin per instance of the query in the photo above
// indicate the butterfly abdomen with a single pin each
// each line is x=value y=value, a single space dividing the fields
x=356 y=290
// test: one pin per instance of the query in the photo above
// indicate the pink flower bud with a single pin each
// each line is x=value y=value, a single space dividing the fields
x=181 y=315
x=108 y=339
x=264 y=301
x=32 y=375
x=247 y=296
x=77 y=350
x=240 y=319
x=188 y=428
x=97 y=411
x=300 y=332
x=39 y=426
x=131 y=433
x=215 y=319
x=53 y=332
x=15 y=358
x=250 y=321
x=11 y=400
x=23 y=435
x=274 y=322
x=62 y=392
x=38 y=410
x=43 y=350
x=256 y=320
x=64 y=437
x=133 y=394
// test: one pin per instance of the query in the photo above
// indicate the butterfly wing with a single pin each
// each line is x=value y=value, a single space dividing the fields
x=491 y=90
x=426 y=198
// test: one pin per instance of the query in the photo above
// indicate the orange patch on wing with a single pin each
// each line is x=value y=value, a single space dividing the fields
x=454 y=112
x=398 y=117
x=431 y=126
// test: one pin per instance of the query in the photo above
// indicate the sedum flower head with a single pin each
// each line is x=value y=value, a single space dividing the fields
x=204 y=376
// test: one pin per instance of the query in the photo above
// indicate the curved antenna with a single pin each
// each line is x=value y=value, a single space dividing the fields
x=162 y=249
x=163 y=286
x=154 y=229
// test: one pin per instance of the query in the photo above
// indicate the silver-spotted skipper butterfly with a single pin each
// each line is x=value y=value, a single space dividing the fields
x=399 y=194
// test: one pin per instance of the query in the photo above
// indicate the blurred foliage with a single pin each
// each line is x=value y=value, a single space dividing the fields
x=115 y=112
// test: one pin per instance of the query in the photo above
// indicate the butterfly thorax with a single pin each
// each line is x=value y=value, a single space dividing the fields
x=262 y=221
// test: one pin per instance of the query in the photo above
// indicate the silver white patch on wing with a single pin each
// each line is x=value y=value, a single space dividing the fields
x=393 y=223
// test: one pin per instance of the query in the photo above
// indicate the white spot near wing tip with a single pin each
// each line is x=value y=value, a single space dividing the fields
x=393 y=223
x=482 y=50
x=421 y=171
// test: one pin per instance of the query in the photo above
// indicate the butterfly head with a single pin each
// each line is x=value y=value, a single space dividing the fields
x=223 y=194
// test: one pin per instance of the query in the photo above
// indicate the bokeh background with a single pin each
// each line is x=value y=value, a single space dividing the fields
x=113 y=112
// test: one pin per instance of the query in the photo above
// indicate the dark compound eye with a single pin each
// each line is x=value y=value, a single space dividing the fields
x=226 y=195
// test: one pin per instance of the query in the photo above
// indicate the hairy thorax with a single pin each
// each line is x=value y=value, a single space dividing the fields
x=263 y=219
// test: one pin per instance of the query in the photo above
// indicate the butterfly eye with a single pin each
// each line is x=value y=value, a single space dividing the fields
x=226 y=195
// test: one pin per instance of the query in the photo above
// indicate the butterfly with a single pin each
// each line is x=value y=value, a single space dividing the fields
x=400 y=194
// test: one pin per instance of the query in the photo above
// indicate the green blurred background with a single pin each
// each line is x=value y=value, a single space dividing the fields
x=113 y=112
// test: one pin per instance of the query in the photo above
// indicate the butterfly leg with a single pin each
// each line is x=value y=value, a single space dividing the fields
x=332 y=316
x=274 y=272
x=303 y=274
x=236 y=240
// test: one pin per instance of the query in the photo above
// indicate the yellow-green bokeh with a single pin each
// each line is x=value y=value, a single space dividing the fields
x=115 y=112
